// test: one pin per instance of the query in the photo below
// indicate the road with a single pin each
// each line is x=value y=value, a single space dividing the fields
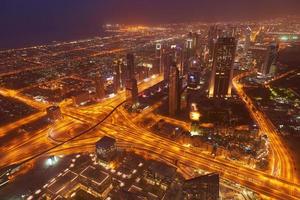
x=282 y=163
x=26 y=146
x=121 y=126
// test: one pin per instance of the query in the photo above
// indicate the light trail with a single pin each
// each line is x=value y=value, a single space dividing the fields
x=282 y=160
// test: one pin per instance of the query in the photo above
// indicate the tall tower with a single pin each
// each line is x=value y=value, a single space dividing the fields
x=174 y=92
x=132 y=91
x=212 y=36
x=166 y=60
x=123 y=68
x=247 y=39
x=222 y=69
x=117 y=77
x=157 y=68
x=179 y=58
x=190 y=46
x=100 y=92
x=193 y=74
x=130 y=66
x=269 y=66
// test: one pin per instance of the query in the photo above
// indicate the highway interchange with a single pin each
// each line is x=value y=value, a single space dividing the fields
x=120 y=125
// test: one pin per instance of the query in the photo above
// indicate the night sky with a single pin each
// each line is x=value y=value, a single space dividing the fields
x=28 y=22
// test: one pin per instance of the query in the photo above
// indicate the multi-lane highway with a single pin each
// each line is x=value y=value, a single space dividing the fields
x=120 y=125
x=138 y=139
x=282 y=164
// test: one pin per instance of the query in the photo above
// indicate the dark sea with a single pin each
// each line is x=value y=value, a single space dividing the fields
x=29 y=40
x=34 y=22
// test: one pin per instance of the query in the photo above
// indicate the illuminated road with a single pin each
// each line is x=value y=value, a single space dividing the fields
x=121 y=126
x=282 y=164
x=145 y=141
x=280 y=77
x=9 y=127
x=14 y=94
x=22 y=148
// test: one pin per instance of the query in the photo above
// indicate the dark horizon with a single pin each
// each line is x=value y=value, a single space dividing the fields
x=32 y=22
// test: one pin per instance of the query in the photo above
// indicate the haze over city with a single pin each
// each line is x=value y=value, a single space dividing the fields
x=154 y=100
x=32 y=22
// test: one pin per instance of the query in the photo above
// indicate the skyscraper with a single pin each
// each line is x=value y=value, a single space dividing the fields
x=166 y=60
x=174 y=93
x=123 y=68
x=247 y=39
x=132 y=91
x=222 y=67
x=269 y=66
x=130 y=66
x=99 y=84
x=192 y=43
x=157 y=67
x=212 y=36
x=194 y=70
x=179 y=58
x=117 y=77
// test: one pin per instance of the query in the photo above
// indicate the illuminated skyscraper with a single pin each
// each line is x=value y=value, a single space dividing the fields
x=130 y=66
x=100 y=92
x=158 y=59
x=269 y=66
x=117 y=77
x=222 y=69
x=247 y=39
x=192 y=43
x=179 y=57
x=123 y=68
x=166 y=60
x=194 y=70
x=174 y=90
x=132 y=91
x=212 y=36
x=189 y=40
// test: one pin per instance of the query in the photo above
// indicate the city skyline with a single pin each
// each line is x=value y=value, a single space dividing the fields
x=181 y=108
x=48 y=21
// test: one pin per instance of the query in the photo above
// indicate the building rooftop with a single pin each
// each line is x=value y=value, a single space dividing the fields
x=162 y=169
x=105 y=142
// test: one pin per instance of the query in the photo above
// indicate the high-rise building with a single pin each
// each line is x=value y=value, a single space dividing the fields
x=269 y=66
x=193 y=74
x=179 y=58
x=123 y=68
x=174 y=90
x=192 y=43
x=202 y=187
x=212 y=36
x=100 y=92
x=258 y=54
x=157 y=63
x=130 y=66
x=117 y=77
x=222 y=67
x=132 y=91
x=166 y=60
x=247 y=40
